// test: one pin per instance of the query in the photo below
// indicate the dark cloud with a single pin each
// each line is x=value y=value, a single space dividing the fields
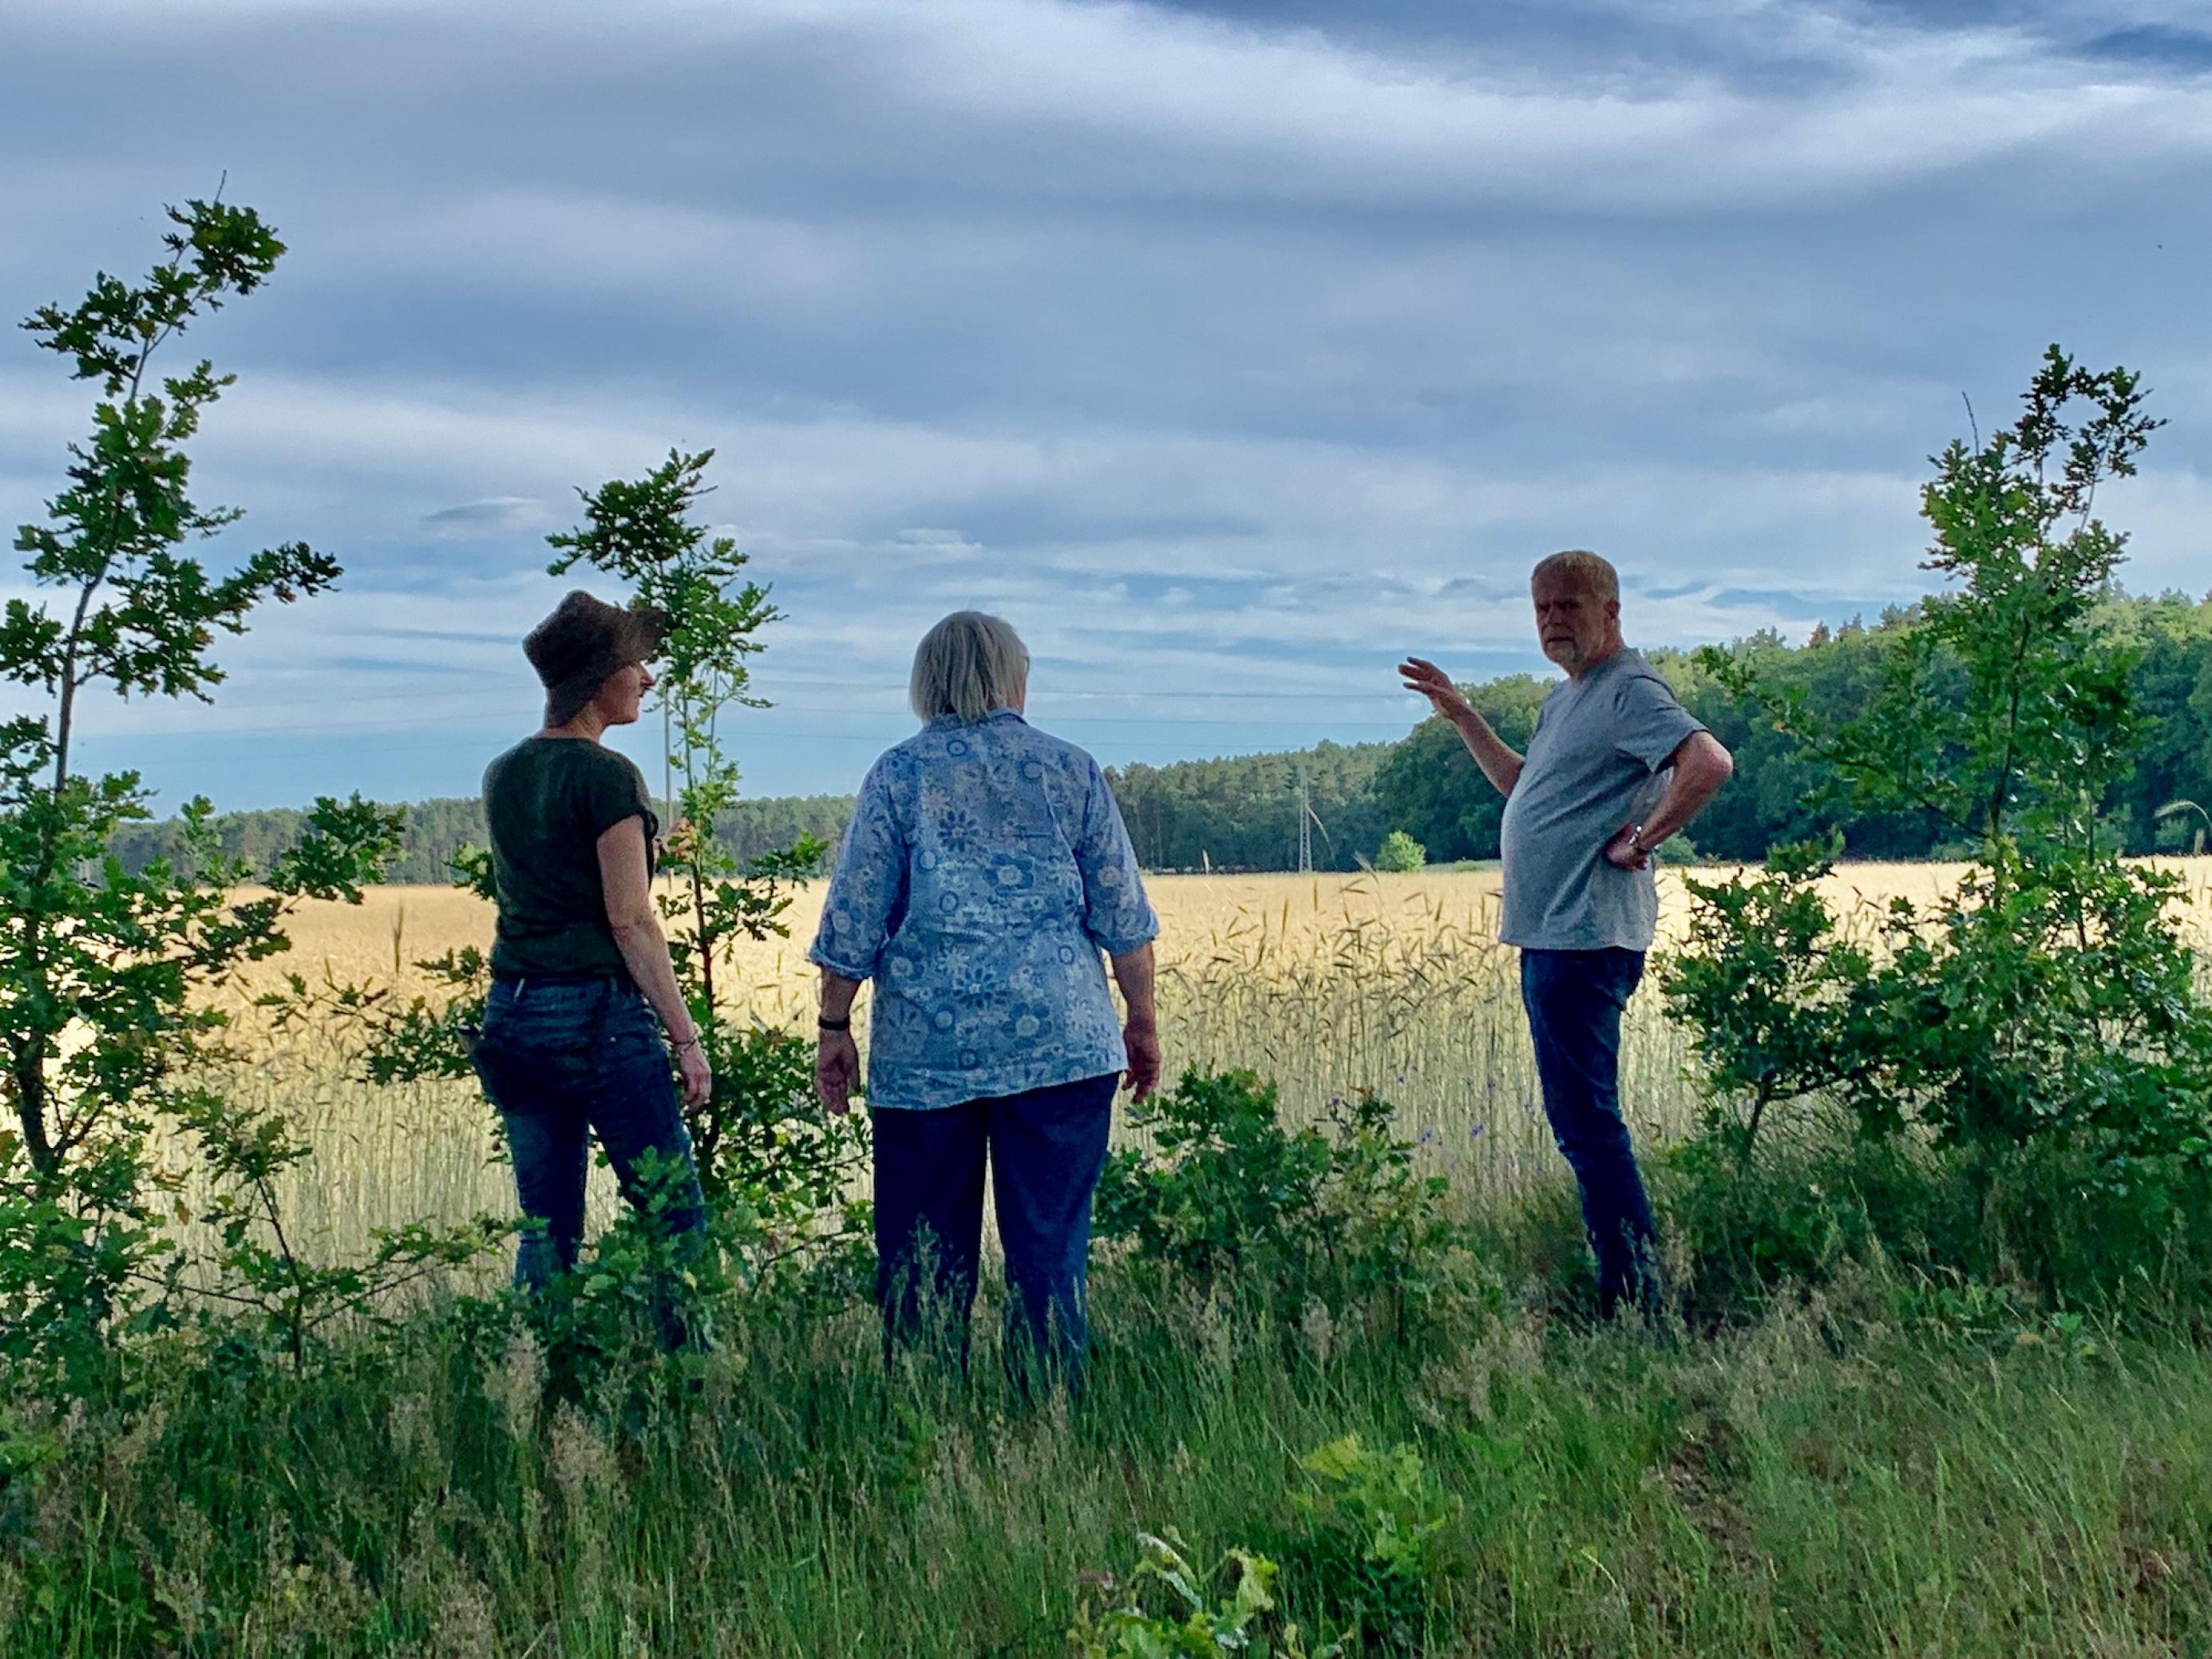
x=498 y=513
x=2161 y=45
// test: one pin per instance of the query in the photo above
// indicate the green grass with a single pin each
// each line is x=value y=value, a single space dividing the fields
x=1839 y=1479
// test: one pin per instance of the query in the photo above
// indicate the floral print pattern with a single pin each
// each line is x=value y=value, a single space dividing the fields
x=984 y=870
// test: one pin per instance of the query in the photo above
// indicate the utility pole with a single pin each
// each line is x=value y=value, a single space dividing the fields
x=1306 y=825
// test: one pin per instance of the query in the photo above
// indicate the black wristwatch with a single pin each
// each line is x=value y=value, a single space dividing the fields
x=844 y=1025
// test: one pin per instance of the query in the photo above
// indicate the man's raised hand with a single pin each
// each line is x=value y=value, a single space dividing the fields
x=1431 y=682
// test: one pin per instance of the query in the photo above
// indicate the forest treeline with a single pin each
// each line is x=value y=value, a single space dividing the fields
x=436 y=829
x=1242 y=813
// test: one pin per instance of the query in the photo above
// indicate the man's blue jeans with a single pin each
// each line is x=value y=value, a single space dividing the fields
x=562 y=1060
x=1045 y=1150
x=1575 y=999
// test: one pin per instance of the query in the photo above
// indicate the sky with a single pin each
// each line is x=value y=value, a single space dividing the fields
x=1230 y=350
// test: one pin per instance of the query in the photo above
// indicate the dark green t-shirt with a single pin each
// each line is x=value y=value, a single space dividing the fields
x=547 y=801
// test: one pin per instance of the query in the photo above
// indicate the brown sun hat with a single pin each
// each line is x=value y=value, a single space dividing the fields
x=583 y=642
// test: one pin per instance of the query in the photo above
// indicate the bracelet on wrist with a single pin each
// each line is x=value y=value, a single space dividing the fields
x=691 y=1041
x=844 y=1025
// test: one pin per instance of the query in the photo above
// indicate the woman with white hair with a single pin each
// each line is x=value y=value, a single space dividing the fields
x=985 y=870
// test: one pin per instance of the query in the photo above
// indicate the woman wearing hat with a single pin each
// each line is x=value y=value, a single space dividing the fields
x=985 y=874
x=582 y=989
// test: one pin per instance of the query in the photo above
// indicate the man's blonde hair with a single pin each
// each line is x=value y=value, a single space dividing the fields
x=967 y=665
x=1579 y=564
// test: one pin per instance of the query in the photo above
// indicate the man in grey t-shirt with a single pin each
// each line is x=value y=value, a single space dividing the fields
x=1615 y=767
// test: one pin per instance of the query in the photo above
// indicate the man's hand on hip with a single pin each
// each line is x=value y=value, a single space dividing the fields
x=1623 y=852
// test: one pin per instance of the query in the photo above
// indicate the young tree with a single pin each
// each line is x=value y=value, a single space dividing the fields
x=774 y=1167
x=2048 y=1001
x=103 y=1028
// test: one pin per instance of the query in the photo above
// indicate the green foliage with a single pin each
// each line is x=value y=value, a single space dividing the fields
x=1400 y=854
x=105 y=1026
x=1772 y=989
x=1805 y=1211
x=1222 y=1198
x=437 y=1487
x=1375 y=1530
x=640 y=1291
x=2001 y=709
x=643 y=533
x=2044 y=1013
x=256 y=1271
x=1194 y=1625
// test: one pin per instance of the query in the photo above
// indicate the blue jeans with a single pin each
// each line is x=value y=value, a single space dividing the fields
x=1045 y=1150
x=562 y=1060
x=1575 y=999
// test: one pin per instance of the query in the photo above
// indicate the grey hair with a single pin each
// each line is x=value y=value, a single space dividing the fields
x=967 y=665
x=1581 y=565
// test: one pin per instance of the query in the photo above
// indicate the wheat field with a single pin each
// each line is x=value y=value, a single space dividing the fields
x=1326 y=983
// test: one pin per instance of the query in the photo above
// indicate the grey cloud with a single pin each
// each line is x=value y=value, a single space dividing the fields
x=2160 y=45
x=494 y=513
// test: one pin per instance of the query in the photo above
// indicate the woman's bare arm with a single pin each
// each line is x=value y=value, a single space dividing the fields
x=1141 y=1032
x=836 y=1055
x=625 y=879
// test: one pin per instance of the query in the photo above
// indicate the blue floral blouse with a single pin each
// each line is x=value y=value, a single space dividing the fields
x=985 y=869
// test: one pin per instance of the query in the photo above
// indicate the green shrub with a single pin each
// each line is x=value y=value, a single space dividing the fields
x=1400 y=854
x=1228 y=1200
x=2045 y=1221
x=2040 y=1027
x=1371 y=1547
x=1195 y=1625
x=1795 y=1217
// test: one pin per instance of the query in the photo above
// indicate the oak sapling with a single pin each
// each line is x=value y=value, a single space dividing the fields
x=2044 y=1014
x=104 y=1028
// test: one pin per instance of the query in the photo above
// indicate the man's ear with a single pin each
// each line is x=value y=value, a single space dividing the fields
x=1613 y=610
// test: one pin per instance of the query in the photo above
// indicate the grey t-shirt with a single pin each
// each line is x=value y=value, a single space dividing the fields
x=1594 y=763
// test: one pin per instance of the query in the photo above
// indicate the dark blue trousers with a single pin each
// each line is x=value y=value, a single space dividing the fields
x=562 y=1061
x=1575 y=999
x=1044 y=1150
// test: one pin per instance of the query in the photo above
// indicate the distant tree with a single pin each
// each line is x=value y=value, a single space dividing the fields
x=1400 y=854
x=1242 y=812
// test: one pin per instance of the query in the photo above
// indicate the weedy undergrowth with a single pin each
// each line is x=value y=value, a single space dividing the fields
x=1225 y=1199
x=1197 y=1621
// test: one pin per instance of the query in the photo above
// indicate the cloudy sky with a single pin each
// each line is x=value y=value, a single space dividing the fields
x=1230 y=349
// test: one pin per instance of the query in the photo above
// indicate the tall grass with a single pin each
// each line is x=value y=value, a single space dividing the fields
x=1926 y=1490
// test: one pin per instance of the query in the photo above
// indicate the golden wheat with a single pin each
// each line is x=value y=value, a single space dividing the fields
x=1326 y=983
